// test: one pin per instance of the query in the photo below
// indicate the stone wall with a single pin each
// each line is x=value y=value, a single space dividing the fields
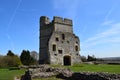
x=44 y=71
x=58 y=32
x=61 y=20
x=45 y=33
x=62 y=24
x=67 y=46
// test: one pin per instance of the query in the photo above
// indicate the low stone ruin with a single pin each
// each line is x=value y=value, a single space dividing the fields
x=92 y=76
x=44 y=71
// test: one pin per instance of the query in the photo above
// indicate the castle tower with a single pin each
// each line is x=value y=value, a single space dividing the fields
x=58 y=43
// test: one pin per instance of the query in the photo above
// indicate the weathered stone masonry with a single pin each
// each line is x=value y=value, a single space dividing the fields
x=58 y=43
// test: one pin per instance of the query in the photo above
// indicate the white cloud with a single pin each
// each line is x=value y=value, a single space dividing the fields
x=13 y=15
x=103 y=44
x=114 y=40
x=106 y=23
x=111 y=10
x=110 y=35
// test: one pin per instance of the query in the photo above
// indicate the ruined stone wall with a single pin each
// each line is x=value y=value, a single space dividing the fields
x=45 y=33
x=67 y=46
x=62 y=25
x=58 y=34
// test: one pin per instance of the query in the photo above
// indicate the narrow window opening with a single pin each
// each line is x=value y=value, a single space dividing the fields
x=54 y=47
x=60 y=51
x=76 y=48
x=77 y=54
x=57 y=39
x=63 y=36
x=76 y=42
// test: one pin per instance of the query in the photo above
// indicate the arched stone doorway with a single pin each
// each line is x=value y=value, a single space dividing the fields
x=67 y=60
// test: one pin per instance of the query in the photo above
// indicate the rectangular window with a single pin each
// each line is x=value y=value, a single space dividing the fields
x=76 y=48
x=54 y=47
x=60 y=51
x=63 y=36
x=57 y=39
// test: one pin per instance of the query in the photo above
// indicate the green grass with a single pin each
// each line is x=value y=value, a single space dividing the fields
x=6 y=74
x=88 y=67
x=95 y=68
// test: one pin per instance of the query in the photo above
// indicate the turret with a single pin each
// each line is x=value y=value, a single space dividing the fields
x=44 y=20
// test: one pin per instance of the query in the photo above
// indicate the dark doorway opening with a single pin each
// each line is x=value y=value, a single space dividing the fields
x=67 y=60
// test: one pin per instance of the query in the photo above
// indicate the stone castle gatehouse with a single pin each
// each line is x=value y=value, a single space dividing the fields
x=58 y=43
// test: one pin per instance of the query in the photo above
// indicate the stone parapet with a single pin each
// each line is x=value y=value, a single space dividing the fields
x=61 y=20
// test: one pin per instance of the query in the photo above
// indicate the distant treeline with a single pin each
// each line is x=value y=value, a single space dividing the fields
x=110 y=59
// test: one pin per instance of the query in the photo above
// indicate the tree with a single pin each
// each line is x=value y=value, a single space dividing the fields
x=2 y=64
x=10 y=53
x=91 y=58
x=83 y=58
x=17 y=60
x=10 y=61
x=26 y=59
x=35 y=55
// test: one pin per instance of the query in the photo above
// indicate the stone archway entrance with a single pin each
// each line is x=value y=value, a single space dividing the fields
x=67 y=60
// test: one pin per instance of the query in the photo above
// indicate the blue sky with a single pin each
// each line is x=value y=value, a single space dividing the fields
x=96 y=22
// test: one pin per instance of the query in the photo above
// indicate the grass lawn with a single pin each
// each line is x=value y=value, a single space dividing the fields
x=6 y=74
x=88 y=67
x=95 y=68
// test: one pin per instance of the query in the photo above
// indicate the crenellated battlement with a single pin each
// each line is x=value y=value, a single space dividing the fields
x=62 y=20
x=56 y=19
x=57 y=24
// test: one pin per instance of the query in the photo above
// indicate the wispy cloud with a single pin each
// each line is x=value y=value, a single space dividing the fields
x=115 y=5
x=69 y=7
x=11 y=20
x=109 y=12
x=13 y=15
x=110 y=35
x=107 y=23
x=11 y=41
x=28 y=10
